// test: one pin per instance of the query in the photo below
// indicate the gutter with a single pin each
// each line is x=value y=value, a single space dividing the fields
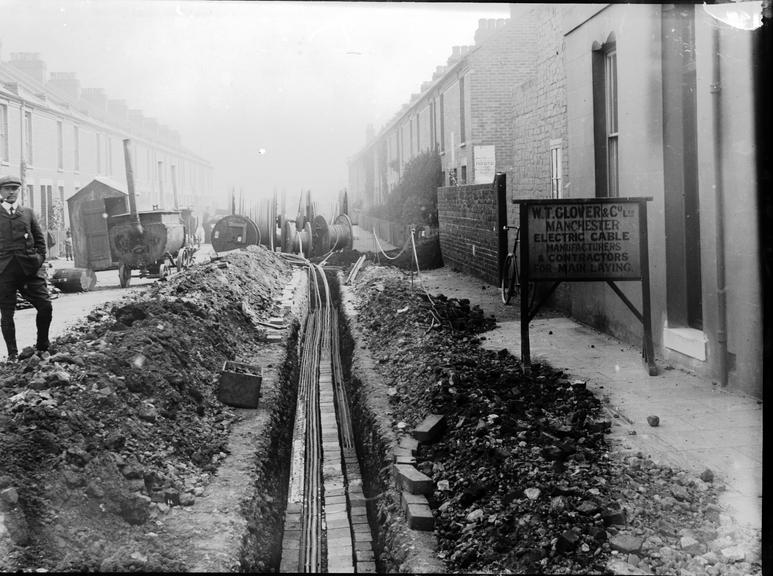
x=719 y=215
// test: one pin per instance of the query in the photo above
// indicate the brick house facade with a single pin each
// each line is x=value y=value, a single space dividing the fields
x=630 y=101
x=467 y=104
x=66 y=136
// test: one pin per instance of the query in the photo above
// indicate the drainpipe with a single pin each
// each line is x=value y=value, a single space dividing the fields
x=719 y=216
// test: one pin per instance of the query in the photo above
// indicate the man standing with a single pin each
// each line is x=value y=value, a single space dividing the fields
x=22 y=253
x=68 y=245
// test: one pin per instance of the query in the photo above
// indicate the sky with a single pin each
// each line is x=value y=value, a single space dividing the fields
x=276 y=95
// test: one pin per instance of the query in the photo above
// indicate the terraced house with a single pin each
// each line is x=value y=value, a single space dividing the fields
x=661 y=104
x=464 y=112
x=60 y=137
x=613 y=100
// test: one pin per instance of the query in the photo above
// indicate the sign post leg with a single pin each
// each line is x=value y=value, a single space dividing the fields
x=524 y=293
x=648 y=349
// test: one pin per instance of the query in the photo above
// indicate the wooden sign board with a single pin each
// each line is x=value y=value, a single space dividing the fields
x=585 y=240
x=592 y=240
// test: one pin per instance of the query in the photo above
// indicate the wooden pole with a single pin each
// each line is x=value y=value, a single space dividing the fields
x=524 y=276
x=648 y=348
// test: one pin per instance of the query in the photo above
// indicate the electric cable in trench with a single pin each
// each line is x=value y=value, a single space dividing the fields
x=326 y=525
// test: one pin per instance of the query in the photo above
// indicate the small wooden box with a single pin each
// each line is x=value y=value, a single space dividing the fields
x=239 y=384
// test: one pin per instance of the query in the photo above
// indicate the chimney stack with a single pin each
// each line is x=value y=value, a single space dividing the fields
x=66 y=84
x=29 y=63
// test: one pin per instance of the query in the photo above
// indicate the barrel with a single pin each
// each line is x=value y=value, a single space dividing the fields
x=74 y=279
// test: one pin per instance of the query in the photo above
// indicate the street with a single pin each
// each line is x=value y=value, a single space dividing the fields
x=69 y=308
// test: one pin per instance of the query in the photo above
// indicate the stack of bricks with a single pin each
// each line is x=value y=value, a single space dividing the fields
x=340 y=548
x=291 y=540
x=285 y=301
x=414 y=484
x=365 y=559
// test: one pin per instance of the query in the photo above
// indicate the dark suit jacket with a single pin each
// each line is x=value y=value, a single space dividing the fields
x=21 y=238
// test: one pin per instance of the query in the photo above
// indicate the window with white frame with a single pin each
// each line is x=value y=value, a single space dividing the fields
x=555 y=170
x=442 y=123
x=109 y=146
x=610 y=80
x=76 y=149
x=605 y=107
x=59 y=145
x=418 y=134
x=462 y=131
x=432 y=125
x=3 y=133
x=28 y=137
x=99 y=153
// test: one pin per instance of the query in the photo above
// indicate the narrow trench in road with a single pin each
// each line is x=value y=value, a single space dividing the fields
x=313 y=512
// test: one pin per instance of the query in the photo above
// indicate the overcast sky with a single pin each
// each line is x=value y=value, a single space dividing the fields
x=300 y=80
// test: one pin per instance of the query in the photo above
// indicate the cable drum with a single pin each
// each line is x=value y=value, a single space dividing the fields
x=266 y=220
x=268 y=231
x=340 y=234
x=294 y=241
x=326 y=238
x=319 y=235
x=233 y=232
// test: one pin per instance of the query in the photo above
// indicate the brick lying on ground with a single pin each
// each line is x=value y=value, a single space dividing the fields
x=410 y=444
x=410 y=479
x=417 y=511
x=430 y=428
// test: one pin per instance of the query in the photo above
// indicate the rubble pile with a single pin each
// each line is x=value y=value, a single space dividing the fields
x=525 y=480
x=120 y=422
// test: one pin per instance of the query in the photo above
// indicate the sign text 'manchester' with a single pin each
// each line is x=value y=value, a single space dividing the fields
x=584 y=241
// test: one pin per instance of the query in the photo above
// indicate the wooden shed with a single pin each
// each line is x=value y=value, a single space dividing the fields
x=89 y=208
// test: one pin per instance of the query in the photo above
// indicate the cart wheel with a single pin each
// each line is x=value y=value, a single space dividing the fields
x=124 y=275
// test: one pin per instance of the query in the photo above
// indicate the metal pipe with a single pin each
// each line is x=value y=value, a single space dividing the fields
x=719 y=215
x=135 y=217
x=174 y=186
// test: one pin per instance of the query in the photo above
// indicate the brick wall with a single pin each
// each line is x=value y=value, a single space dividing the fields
x=539 y=115
x=467 y=217
x=502 y=63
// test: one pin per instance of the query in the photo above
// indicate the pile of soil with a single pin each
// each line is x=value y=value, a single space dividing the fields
x=525 y=479
x=121 y=421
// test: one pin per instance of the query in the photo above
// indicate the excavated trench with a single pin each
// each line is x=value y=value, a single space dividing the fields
x=395 y=546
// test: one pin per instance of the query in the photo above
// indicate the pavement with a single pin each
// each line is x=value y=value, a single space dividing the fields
x=702 y=425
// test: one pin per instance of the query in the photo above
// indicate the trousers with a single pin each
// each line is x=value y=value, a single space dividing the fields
x=34 y=289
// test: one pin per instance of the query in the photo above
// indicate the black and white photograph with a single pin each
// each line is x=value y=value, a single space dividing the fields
x=385 y=287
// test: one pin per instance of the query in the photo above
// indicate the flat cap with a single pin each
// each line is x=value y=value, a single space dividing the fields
x=4 y=180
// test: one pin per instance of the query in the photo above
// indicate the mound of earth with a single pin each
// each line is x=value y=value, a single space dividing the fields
x=121 y=422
